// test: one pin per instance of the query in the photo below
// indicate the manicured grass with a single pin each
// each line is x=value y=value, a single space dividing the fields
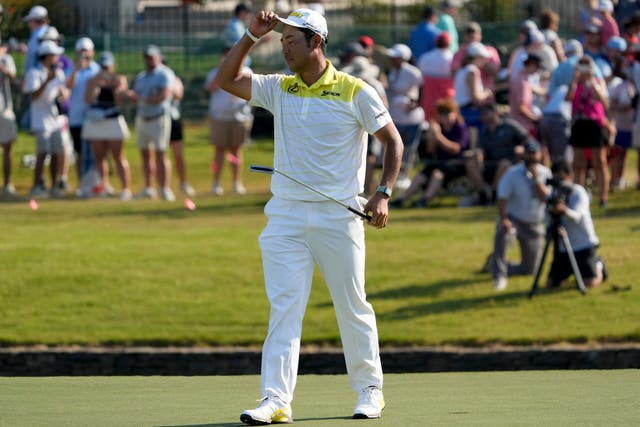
x=549 y=398
x=150 y=272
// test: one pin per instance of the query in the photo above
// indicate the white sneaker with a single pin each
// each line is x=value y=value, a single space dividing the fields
x=167 y=194
x=126 y=195
x=187 y=190
x=271 y=410
x=9 y=190
x=370 y=403
x=499 y=283
x=147 y=193
x=217 y=189
x=238 y=188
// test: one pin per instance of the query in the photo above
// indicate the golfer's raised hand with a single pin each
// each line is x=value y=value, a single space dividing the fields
x=262 y=23
x=378 y=208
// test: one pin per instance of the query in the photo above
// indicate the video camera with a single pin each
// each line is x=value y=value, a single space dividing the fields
x=560 y=191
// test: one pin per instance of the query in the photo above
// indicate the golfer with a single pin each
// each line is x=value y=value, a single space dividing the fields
x=321 y=118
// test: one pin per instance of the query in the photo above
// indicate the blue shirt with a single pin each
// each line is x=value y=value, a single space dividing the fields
x=77 y=106
x=31 y=57
x=423 y=38
x=149 y=83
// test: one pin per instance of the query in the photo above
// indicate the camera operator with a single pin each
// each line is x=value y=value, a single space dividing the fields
x=522 y=195
x=570 y=204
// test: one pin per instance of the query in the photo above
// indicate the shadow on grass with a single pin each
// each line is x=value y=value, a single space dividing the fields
x=241 y=424
x=430 y=290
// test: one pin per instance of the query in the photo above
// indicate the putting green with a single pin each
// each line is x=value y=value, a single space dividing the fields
x=531 y=398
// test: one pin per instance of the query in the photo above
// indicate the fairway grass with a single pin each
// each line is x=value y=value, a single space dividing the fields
x=538 y=398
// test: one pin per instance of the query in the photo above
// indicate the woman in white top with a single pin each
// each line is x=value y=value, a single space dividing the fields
x=470 y=93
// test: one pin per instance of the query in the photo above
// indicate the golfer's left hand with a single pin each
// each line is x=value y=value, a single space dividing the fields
x=378 y=208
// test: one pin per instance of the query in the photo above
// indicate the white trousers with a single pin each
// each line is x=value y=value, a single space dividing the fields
x=298 y=235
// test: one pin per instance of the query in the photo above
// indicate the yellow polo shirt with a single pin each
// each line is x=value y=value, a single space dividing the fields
x=319 y=131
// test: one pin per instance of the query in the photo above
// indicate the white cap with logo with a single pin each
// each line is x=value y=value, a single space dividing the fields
x=84 y=43
x=305 y=18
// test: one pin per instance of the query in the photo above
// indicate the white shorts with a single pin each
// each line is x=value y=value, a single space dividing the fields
x=114 y=129
x=153 y=133
x=53 y=142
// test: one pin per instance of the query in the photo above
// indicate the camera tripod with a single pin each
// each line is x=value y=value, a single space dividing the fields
x=554 y=231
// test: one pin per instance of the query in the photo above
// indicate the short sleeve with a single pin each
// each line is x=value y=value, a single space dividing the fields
x=370 y=110
x=263 y=90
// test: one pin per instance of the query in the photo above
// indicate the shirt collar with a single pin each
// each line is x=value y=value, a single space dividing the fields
x=328 y=78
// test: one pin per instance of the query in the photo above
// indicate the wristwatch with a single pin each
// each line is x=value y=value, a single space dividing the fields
x=384 y=189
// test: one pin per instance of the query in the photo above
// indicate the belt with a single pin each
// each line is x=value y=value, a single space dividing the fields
x=148 y=119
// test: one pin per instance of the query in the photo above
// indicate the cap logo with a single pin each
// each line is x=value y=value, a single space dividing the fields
x=297 y=14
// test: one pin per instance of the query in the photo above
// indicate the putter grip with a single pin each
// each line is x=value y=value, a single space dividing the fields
x=360 y=214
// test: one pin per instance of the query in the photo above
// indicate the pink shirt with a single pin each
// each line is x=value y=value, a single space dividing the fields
x=586 y=106
x=609 y=29
x=521 y=93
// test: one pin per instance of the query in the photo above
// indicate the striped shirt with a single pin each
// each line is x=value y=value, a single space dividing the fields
x=319 y=131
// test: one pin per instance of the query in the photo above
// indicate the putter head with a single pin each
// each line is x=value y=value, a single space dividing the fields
x=261 y=169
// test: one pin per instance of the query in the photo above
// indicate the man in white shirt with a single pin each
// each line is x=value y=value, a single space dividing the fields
x=45 y=83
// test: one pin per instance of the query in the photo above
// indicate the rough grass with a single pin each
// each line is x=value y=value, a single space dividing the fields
x=103 y=272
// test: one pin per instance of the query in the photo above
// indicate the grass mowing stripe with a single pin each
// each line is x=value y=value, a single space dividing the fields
x=528 y=398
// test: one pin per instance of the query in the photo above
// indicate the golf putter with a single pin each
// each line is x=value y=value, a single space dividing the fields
x=270 y=171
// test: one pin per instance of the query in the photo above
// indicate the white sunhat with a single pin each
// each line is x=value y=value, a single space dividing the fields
x=477 y=49
x=399 y=50
x=305 y=18
x=49 y=47
x=84 y=43
x=36 y=13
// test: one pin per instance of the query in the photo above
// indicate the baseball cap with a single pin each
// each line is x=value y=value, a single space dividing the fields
x=305 y=18
x=443 y=40
x=49 y=47
x=106 y=59
x=593 y=29
x=51 y=33
x=605 y=6
x=531 y=146
x=366 y=41
x=573 y=47
x=399 y=50
x=152 y=50
x=617 y=43
x=36 y=13
x=476 y=49
x=84 y=43
x=528 y=25
x=473 y=27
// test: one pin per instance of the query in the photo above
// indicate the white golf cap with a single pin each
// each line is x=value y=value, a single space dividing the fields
x=51 y=33
x=84 y=43
x=399 y=50
x=305 y=18
x=49 y=47
x=476 y=49
x=36 y=13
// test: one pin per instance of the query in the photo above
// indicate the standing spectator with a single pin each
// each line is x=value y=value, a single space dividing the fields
x=588 y=15
x=152 y=92
x=609 y=25
x=634 y=71
x=446 y=21
x=322 y=142
x=549 y=24
x=500 y=144
x=423 y=36
x=447 y=139
x=105 y=126
x=64 y=62
x=230 y=119
x=473 y=33
x=564 y=72
x=589 y=102
x=237 y=25
x=470 y=93
x=177 y=135
x=403 y=93
x=84 y=69
x=8 y=127
x=593 y=48
x=555 y=126
x=522 y=195
x=521 y=96
x=435 y=67
x=38 y=21
x=45 y=84
x=630 y=30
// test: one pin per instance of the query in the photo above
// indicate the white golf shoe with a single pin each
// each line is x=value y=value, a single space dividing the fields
x=271 y=410
x=370 y=403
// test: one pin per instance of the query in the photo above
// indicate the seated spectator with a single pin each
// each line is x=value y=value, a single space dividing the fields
x=521 y=96
x=437 y=83
x=447 y=139
x=403 y=93
x=470 y=93
x=500 y=144
x=522 y=195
